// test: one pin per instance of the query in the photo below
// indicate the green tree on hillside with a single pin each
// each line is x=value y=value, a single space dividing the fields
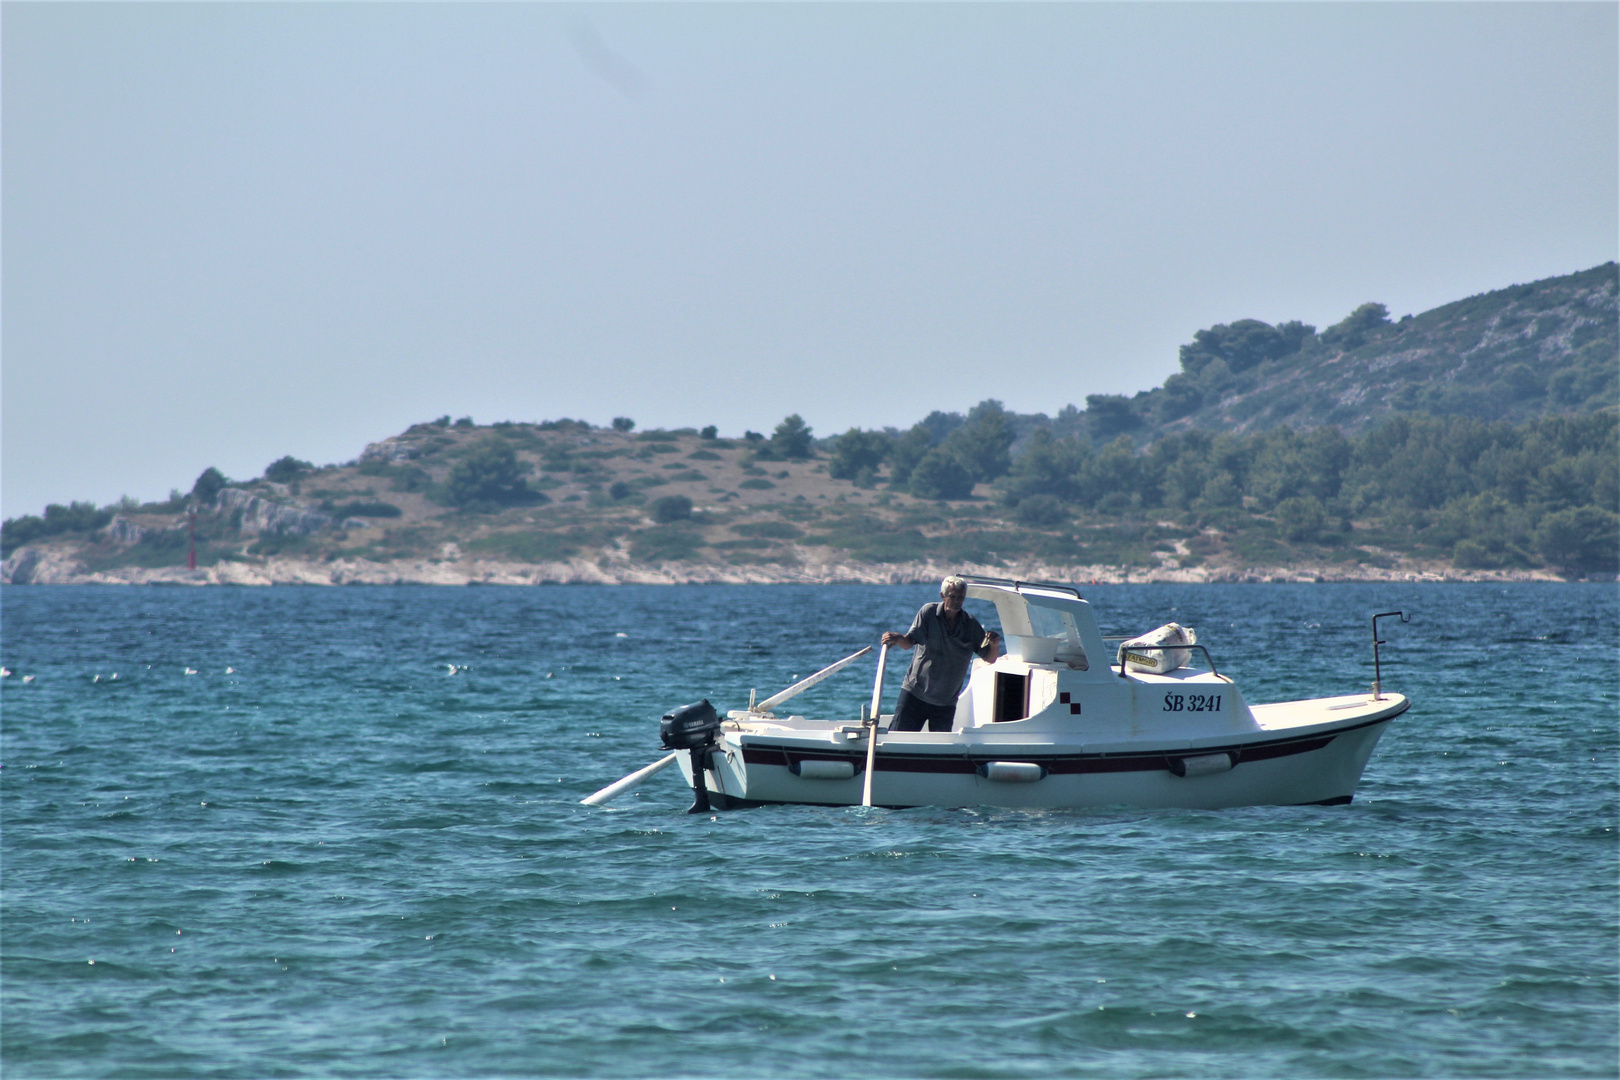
x=1182 y=396
x=488 y=478
x=1581 y=539
x=792 y=439
x=982 y=444
x=1301 y=518
x=1108 y=415
x=909 y=449
x=1243 y=344
x=286 y=469
x=941 y=475
x=1048 y=466
x=58 y=519
x=208 y=486
x=855 y=450
x=1353 y=331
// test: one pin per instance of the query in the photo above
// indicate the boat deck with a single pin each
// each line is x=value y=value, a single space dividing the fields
x=1287 y=715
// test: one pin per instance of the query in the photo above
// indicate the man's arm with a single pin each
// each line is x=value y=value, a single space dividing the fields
x=989 y=644
x=991 y=647
x=908 y=640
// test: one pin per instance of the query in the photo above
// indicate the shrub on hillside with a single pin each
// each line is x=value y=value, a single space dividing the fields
x=526 y=546
x=664 y=543
x=769 y=530
x=365 y=509
x=286 y=469
x=671 y=508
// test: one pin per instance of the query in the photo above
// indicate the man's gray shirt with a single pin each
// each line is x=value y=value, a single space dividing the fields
x=943 y=654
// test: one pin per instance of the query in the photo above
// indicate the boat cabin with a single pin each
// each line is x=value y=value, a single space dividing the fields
x=1053 y=655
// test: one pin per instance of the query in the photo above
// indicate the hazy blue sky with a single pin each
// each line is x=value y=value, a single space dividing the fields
x=232 y=232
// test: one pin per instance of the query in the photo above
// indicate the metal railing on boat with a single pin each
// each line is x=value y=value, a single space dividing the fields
x=1191 y=646
x=1019 y=583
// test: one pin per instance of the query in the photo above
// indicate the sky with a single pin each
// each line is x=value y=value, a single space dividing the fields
x=232 y=232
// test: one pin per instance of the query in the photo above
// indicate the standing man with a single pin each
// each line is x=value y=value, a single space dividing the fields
x=946 y=639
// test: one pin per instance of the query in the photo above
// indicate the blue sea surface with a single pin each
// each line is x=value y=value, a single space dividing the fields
x=360 y=851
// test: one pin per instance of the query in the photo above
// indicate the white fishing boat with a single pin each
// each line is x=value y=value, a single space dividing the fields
x=1061 y=719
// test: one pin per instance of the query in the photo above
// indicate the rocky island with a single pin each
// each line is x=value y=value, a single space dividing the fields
x=1479 y=440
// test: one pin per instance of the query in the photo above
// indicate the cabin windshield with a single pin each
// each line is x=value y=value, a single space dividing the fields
x=1056 y=624
x=1041 y=625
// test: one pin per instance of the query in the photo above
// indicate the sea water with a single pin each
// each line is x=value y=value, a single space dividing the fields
x=338 y=832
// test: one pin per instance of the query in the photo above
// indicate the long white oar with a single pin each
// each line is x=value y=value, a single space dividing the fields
x=804 y=684
x=620 y=786
x=871 y=741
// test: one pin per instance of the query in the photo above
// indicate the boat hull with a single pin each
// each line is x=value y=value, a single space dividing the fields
x=1304 y=767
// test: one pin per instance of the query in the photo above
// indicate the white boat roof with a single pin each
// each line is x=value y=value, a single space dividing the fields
x=1043 y=609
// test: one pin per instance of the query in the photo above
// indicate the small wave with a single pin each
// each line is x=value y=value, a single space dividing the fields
x=280 y=868
x=445 y=765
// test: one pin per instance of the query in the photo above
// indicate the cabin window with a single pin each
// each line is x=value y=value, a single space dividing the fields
x=1012 y=696
x=1048 y=623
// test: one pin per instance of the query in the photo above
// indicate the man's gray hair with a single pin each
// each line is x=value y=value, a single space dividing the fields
x=954 y=583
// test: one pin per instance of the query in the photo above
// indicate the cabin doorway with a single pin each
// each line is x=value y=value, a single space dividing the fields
x=1012 y=696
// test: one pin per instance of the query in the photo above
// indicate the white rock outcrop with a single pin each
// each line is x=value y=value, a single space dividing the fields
x=260 y=515
x=390 y=451
x=41 y=566
x=124 y=531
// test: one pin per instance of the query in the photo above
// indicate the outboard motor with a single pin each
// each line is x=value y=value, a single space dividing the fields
x=693 y=728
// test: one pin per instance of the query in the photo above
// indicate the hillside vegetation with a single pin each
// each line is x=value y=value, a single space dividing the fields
x=1276 y=451
x=1549 y=347
x=574 y=502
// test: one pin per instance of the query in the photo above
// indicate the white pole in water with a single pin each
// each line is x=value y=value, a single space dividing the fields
x=871 y=739
x=620 y=786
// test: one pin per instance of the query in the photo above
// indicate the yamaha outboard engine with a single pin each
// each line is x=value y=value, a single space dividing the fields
x=693 y=728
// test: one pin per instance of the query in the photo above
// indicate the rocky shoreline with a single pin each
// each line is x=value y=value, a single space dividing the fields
x=50 y=566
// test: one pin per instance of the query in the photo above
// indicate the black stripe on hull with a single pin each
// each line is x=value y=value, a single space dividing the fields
x=730 y=803
x=1056 y=764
